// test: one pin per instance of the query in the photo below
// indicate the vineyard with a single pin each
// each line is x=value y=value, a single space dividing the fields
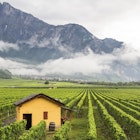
x=98 y=114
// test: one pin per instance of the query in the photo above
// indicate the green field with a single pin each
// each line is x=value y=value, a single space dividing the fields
x=106 y=106
x=17 y=82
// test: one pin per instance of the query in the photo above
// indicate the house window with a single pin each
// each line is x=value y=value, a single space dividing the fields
x=45 y=115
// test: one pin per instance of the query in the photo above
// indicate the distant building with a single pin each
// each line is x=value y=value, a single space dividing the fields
x=37 y=107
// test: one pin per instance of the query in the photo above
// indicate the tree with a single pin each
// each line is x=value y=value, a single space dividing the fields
x=46 y=82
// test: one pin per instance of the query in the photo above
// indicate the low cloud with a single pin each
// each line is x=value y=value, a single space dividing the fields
x=88 y=64
x=35 y=41
x=5 y=47
x=18 y=68
x=85 y=64
x=127 y=55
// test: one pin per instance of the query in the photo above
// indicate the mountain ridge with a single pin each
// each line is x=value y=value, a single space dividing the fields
x=31 y=46
x=33 y=35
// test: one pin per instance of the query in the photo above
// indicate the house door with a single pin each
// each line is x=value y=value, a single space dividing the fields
x=28 y=117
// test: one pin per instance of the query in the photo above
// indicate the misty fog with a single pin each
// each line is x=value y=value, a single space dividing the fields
x=87 y=64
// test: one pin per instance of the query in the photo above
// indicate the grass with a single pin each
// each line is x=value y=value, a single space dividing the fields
x=19 y=82
x=79 y=125
x=79 y=129
x=102 y=133
x=50 y=135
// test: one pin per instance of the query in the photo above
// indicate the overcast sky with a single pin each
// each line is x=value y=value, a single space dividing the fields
x=119 y=19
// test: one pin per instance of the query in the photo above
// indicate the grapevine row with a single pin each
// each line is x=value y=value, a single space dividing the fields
x=126 y=109
x=128 y=104
x=62 y=133
x=6 y=111
x=113 y=127
x=76 y=99
x=127 y=122
x=37 y=132
x=92 y=134
x=12 y=131
x=80 y=103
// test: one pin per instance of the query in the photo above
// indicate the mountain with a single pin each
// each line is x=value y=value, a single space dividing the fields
x=39 y=41
x=5 y=74
x=31 y=46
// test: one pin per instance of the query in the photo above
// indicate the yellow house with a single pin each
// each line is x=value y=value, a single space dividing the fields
x=37 y=107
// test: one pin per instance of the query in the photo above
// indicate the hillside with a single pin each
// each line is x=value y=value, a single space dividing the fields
x=5 y=74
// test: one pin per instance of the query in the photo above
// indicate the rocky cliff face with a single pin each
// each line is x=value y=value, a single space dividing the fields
x=39 y=41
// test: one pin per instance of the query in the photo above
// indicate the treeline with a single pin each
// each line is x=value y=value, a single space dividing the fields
x=102 y=83
x=98 y=83
x=133 y=83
